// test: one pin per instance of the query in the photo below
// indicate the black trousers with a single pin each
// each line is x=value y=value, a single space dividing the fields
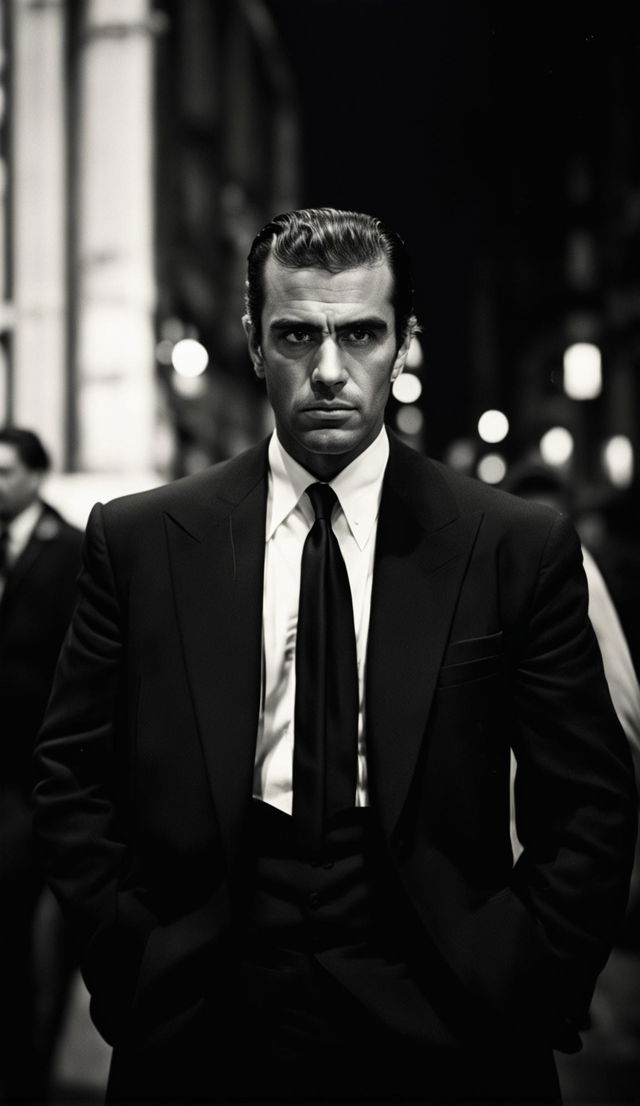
x=316 y=1044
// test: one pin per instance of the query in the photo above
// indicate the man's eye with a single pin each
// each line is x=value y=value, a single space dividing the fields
x=358 y=335
x=297 y=337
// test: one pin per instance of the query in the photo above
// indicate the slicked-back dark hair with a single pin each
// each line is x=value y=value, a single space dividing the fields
x=28 y=446
x=327 y=238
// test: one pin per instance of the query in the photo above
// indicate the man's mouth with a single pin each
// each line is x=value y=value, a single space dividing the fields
x=328 y=408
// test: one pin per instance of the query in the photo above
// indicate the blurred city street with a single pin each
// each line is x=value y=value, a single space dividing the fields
x=143 y=144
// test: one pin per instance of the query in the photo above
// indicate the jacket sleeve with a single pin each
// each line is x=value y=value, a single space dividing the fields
x=76 y=762
x=575 y=799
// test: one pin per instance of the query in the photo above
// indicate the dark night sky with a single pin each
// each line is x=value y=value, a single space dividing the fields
x=450 y=119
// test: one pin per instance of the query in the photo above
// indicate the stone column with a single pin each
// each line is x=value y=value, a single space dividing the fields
x=115 y=367
x=38 y=204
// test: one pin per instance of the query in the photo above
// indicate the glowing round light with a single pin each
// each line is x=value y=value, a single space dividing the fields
x=492 y=468
x=582 y=365
x=410 y=420
x=493 y=426
x=406 y=388
x=189 y=357
x=415 y=356
x=618 y=461
x=556 y=446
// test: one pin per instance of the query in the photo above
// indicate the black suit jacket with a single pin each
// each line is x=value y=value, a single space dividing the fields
x=35 y=609
x=479 y=642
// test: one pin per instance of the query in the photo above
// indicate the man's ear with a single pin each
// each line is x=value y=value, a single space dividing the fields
x=403 y=349
x=253 y=343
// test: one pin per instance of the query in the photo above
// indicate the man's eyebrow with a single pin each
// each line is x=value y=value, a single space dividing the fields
x=368 y=322
x=292 y=324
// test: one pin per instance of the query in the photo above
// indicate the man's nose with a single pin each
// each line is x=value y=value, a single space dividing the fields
x=328 y=368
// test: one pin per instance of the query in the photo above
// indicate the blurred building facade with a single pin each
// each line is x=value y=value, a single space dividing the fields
x=141 y=145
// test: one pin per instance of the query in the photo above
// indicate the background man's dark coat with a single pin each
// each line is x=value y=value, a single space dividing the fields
x=35 y=608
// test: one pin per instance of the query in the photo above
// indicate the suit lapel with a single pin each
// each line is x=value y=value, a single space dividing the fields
x=216 y=549
x=422 y=551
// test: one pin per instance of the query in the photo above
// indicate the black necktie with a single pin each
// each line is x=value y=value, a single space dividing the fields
x=325 y=756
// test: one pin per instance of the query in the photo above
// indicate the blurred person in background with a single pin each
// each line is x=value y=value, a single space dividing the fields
x=39 y=565
x=272 y=786
x=539 y=482
x=615 y=1019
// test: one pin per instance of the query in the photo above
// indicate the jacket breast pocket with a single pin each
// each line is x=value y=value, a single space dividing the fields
x=472 y=659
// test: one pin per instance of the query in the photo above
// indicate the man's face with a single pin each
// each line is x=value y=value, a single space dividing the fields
x=328 y=354
x=19 y=485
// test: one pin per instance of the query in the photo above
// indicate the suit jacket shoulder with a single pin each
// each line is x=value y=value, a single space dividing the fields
x=215 y=488
x=439 y=494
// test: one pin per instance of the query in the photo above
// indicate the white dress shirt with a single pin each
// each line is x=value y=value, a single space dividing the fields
x=289 y=519
x=616 y=658
x=618 y=669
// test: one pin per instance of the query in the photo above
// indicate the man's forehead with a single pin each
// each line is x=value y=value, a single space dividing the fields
x=366 y=286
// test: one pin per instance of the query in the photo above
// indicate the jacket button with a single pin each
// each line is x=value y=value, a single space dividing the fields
x=314 y=900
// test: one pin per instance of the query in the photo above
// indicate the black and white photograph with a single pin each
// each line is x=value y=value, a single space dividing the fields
x=319 y=553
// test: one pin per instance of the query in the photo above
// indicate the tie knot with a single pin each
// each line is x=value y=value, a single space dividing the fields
x=323 y=499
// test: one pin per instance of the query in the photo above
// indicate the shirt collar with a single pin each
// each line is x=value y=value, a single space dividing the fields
x=358 y=487
x=21 y=527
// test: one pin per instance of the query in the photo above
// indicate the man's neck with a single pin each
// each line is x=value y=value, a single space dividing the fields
x=325 y=466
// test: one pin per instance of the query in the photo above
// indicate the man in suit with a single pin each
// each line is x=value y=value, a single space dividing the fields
x=289 y=863
x=39 y=565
